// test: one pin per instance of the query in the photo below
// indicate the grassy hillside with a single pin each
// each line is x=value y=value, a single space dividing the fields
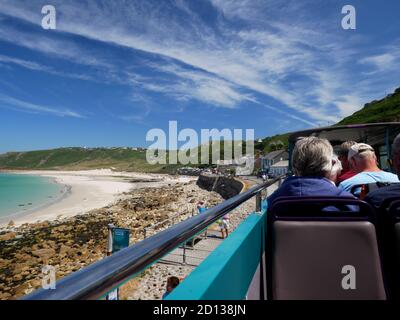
x=80 y=159
x=121 y=159
x=273 y=143
x=385 y=110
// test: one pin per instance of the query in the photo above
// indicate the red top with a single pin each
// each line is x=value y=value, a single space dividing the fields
x=346 y=175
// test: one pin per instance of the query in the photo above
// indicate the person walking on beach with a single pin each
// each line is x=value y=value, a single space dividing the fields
x=224 y=226
x=201 y=207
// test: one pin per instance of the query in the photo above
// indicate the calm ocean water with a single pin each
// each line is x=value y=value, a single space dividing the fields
x=20 y=192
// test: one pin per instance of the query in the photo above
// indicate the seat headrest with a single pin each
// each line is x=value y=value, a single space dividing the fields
x=321 y=207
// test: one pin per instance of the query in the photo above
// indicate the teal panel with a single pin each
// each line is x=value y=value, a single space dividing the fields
x=120 y=238
x=228 y=270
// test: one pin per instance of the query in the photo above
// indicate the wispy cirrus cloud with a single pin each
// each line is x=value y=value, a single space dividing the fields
x=231 y=65
x=24 y=106
x=276 y=55
x=387 y=60
x=62 y=48
x=32 y=65
x=188 y=83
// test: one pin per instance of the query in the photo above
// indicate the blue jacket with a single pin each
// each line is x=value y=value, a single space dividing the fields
x=307 y=186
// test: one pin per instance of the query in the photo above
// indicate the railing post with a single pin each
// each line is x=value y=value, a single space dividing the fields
x=110 y=239
x=184 y=253
x=258 y=202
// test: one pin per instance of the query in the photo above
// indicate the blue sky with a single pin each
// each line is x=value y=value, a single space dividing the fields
x=112 y=70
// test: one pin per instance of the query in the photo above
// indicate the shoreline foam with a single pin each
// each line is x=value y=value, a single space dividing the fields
x=63 y=191
x=66 y=191
x=87 y=190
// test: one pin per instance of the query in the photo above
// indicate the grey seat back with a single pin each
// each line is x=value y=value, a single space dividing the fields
x=326 y=260
x=394 y=213
x=316 y=253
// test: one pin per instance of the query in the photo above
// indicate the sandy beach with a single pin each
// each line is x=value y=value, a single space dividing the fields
x=87 y=190
x=152 y=203
x=74 y=242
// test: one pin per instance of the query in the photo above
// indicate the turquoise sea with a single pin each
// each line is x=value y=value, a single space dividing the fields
x=21 y=193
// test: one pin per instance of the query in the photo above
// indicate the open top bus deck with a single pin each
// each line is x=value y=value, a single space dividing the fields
x=379 y=135
x=292 y=250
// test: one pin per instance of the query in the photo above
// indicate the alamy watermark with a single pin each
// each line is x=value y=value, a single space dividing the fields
x=349 y=280
x=349 y=20
x=206 y=150
x=49 y=21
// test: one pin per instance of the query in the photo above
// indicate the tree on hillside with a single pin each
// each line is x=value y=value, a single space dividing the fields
x=279 y=145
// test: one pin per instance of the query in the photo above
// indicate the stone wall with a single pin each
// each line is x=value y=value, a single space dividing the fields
x=227 y=187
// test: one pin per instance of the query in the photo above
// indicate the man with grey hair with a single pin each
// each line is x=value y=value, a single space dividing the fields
x=312 y=161
x=363 y=160
x=378 y=196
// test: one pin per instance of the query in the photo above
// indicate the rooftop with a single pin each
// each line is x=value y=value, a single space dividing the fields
x=274 y=154
x=282 y=163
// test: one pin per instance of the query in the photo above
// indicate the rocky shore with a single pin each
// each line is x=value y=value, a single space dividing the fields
x=151 y=285
x=71 y=243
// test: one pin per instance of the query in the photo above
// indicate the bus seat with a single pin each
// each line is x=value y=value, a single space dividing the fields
x=361 y=190
x=394 y=213
x=389 y=214
x=318 y=254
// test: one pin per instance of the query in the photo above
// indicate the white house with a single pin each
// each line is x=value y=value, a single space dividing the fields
x=279 y=168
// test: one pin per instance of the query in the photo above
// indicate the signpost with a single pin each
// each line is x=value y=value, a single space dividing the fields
x=118 y=238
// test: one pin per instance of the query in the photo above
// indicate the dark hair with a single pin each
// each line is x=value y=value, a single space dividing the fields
x=345 y=147
x=173 y=282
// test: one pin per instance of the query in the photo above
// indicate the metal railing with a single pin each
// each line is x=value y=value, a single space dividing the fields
x=167 y=222
x=99 y=278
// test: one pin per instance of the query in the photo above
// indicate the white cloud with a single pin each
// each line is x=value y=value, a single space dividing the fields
x=197 y=84
x=24 y=106
x=167 y=37
x=348 y=104
x=58 y=47
x=32 y=65
x=294 y=60
x=383 y=62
